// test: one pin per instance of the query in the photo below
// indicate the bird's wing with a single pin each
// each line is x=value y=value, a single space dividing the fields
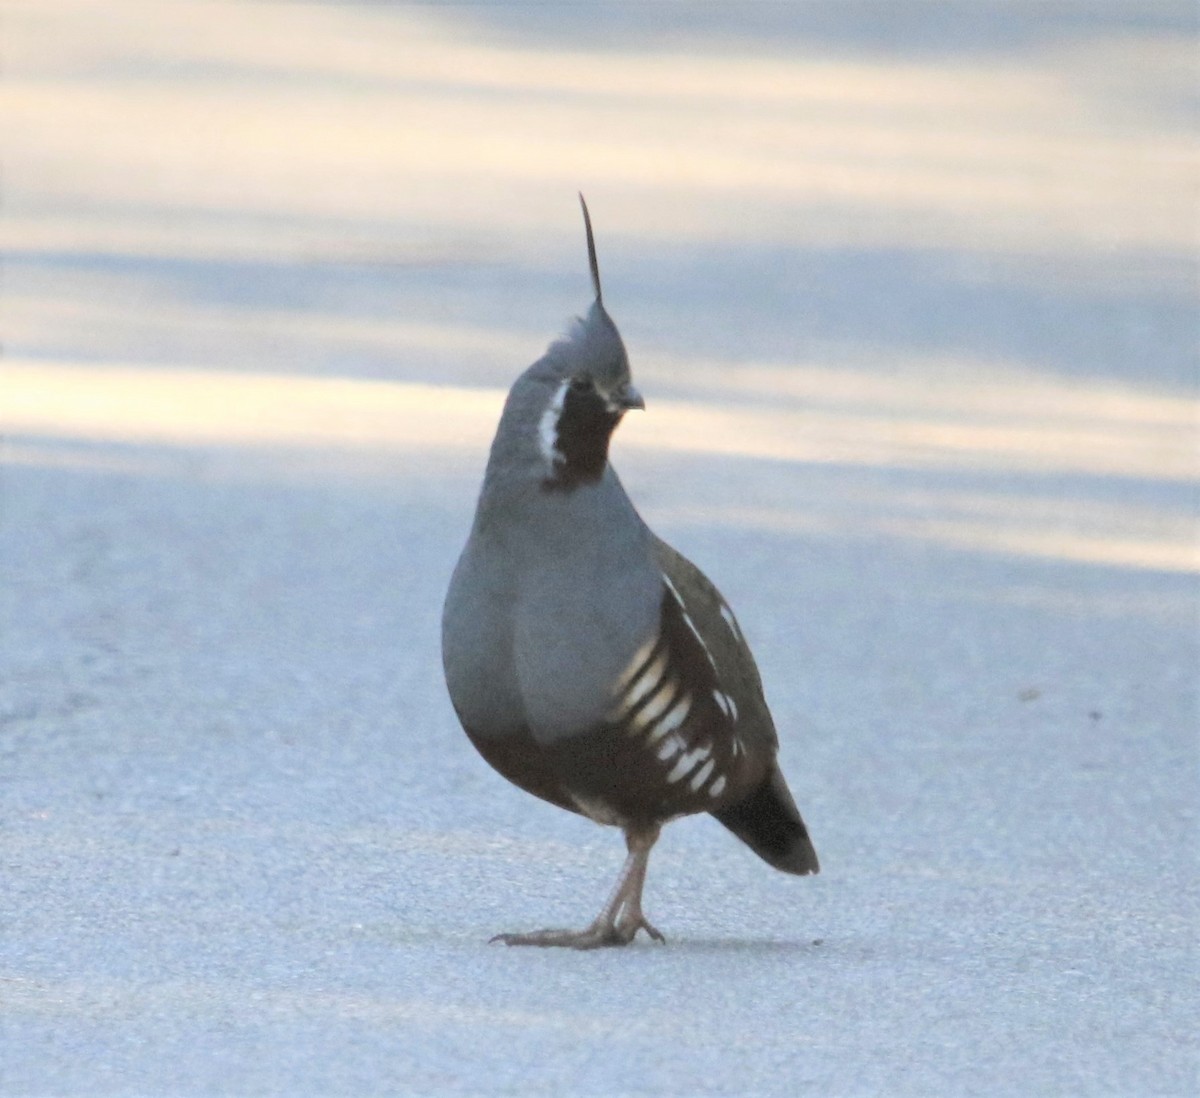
x=687 y=711
x=727 y=650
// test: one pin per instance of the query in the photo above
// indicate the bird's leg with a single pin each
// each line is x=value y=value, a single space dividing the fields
x=631 y=920
x=621 y=917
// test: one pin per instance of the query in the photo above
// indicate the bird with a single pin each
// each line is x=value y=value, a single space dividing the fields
x=589 y=662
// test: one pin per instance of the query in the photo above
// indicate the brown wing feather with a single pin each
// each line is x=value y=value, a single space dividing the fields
x=737 y=672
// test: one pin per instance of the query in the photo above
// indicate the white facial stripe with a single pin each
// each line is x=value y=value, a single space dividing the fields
x=717 y=787
x=674 y=718
x=548 y=427
x=648 y=714
x=687 y=763
x=701 y=775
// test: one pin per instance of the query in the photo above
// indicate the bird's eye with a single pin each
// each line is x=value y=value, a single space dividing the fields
x=580 y=384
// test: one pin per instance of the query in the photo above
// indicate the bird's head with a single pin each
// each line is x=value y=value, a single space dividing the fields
x=586 y=388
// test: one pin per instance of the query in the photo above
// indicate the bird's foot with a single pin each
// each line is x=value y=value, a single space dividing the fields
x=600 y=934
x=591 y=937
x=631 y=923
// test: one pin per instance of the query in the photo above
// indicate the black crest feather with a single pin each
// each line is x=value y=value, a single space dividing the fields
x=591 y=243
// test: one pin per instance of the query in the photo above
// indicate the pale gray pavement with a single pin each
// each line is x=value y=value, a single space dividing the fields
x=244 y=847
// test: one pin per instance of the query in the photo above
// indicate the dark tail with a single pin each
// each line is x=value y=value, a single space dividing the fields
x=769 y=823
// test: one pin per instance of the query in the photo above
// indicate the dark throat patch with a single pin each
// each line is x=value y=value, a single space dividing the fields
x=585 y=426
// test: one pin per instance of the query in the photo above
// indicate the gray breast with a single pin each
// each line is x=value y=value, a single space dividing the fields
x=588 y=598
x=477 y=643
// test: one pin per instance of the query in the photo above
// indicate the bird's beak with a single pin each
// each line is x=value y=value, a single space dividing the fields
x=627 y=397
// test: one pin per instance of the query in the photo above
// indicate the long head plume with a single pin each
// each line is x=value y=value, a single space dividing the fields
x=591 y=243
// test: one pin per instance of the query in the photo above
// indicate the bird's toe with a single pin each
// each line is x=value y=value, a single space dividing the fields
x=596 y=936
x=628 y=927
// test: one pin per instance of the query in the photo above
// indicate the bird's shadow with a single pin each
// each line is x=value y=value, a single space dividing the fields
x=741 y=945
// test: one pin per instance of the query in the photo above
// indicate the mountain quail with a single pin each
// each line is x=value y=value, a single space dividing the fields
x=588 y=661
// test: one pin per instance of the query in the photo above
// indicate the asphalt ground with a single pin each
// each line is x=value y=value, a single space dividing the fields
x=909 y=290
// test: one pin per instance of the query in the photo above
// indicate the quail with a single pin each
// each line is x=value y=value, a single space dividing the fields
x=590 y=663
